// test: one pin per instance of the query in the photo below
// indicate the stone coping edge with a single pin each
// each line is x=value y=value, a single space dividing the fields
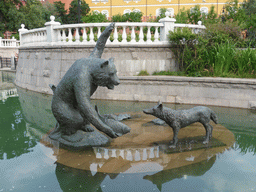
x=191 y=79
x=93 y=45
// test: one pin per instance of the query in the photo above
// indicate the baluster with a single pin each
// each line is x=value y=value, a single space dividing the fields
x=77 y=35
x=84 y=35
x=63 y=38
x=108 y=41
x=69 y=35
x=149 y=35
x=124 y=35
x=32 y=37
x=141 y=36
x=91 y=35
x=133 y=35
x=44 y=36
x=59 y=35
x=39 y=36
x=156 y=35
x=115 y=35
x=99 y=32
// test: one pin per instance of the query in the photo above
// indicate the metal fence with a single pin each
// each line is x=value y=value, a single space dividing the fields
x=6 y=62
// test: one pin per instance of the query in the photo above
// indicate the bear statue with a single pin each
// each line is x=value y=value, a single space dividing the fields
x=71 y=105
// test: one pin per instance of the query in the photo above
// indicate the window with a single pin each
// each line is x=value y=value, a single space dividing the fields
x=127 y=11
x=171 y=10
x=136 y=10
x=158 y=12
x=98 y=1
x=105 y=12
x=204 y=10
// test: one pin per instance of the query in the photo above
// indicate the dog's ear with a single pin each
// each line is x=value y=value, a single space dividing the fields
x=160 y=106
x=104 y=64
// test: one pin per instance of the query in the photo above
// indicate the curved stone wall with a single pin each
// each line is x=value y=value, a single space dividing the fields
x=39 y=67
x=227 y=92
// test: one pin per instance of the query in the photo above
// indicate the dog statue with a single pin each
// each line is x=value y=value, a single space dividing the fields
x=178 y=119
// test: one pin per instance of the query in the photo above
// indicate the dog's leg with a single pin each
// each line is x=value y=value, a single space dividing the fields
x=208 y=129
x=175 y=136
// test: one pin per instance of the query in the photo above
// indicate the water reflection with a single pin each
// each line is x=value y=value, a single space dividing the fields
x=71 y=179
x=14 y=140
x=197 y=169
x=79 y=180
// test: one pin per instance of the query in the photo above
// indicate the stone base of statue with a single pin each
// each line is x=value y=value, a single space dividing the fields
x=81 y=139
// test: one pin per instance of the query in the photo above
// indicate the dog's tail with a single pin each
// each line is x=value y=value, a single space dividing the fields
x=53 y=87
x=214 y=117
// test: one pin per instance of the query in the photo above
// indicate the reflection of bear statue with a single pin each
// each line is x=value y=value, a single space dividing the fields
x=71 y=98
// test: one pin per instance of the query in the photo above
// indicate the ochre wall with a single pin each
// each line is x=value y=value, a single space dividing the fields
x=147 y=7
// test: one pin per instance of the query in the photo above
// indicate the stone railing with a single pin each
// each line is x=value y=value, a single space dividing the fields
x=9 y=43
x=87 y=33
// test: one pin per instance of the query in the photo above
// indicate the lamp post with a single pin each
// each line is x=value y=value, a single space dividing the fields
x=223 y=17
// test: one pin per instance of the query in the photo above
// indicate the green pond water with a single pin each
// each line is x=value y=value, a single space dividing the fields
x=26 y=116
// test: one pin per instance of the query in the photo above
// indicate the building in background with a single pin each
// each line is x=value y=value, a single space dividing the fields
x=148 y=7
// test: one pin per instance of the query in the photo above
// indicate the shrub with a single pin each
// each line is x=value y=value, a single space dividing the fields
x=94 y=17
x=143 y=73
x=213 y=53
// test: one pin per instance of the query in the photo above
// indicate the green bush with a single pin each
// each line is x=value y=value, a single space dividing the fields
x=183 y=42
x=214 y=52
x=182 y=17
x=131 y=17
x=143 y=73
x=94 y=17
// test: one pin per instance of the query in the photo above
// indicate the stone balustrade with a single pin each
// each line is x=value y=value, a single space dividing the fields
x=140 y=33
x=9 y=42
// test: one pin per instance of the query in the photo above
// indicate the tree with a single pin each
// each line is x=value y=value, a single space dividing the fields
x=182 y=17
x=73 y=9
x=36 y=15
x=134 y=16
x=195 y=15
x=9 y=15
x=95 y=17
x=234 y=12
x=61 y=12
x=212 y=16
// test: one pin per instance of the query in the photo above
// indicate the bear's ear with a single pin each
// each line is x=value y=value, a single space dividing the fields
x=111 y=60
x=104 y=64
